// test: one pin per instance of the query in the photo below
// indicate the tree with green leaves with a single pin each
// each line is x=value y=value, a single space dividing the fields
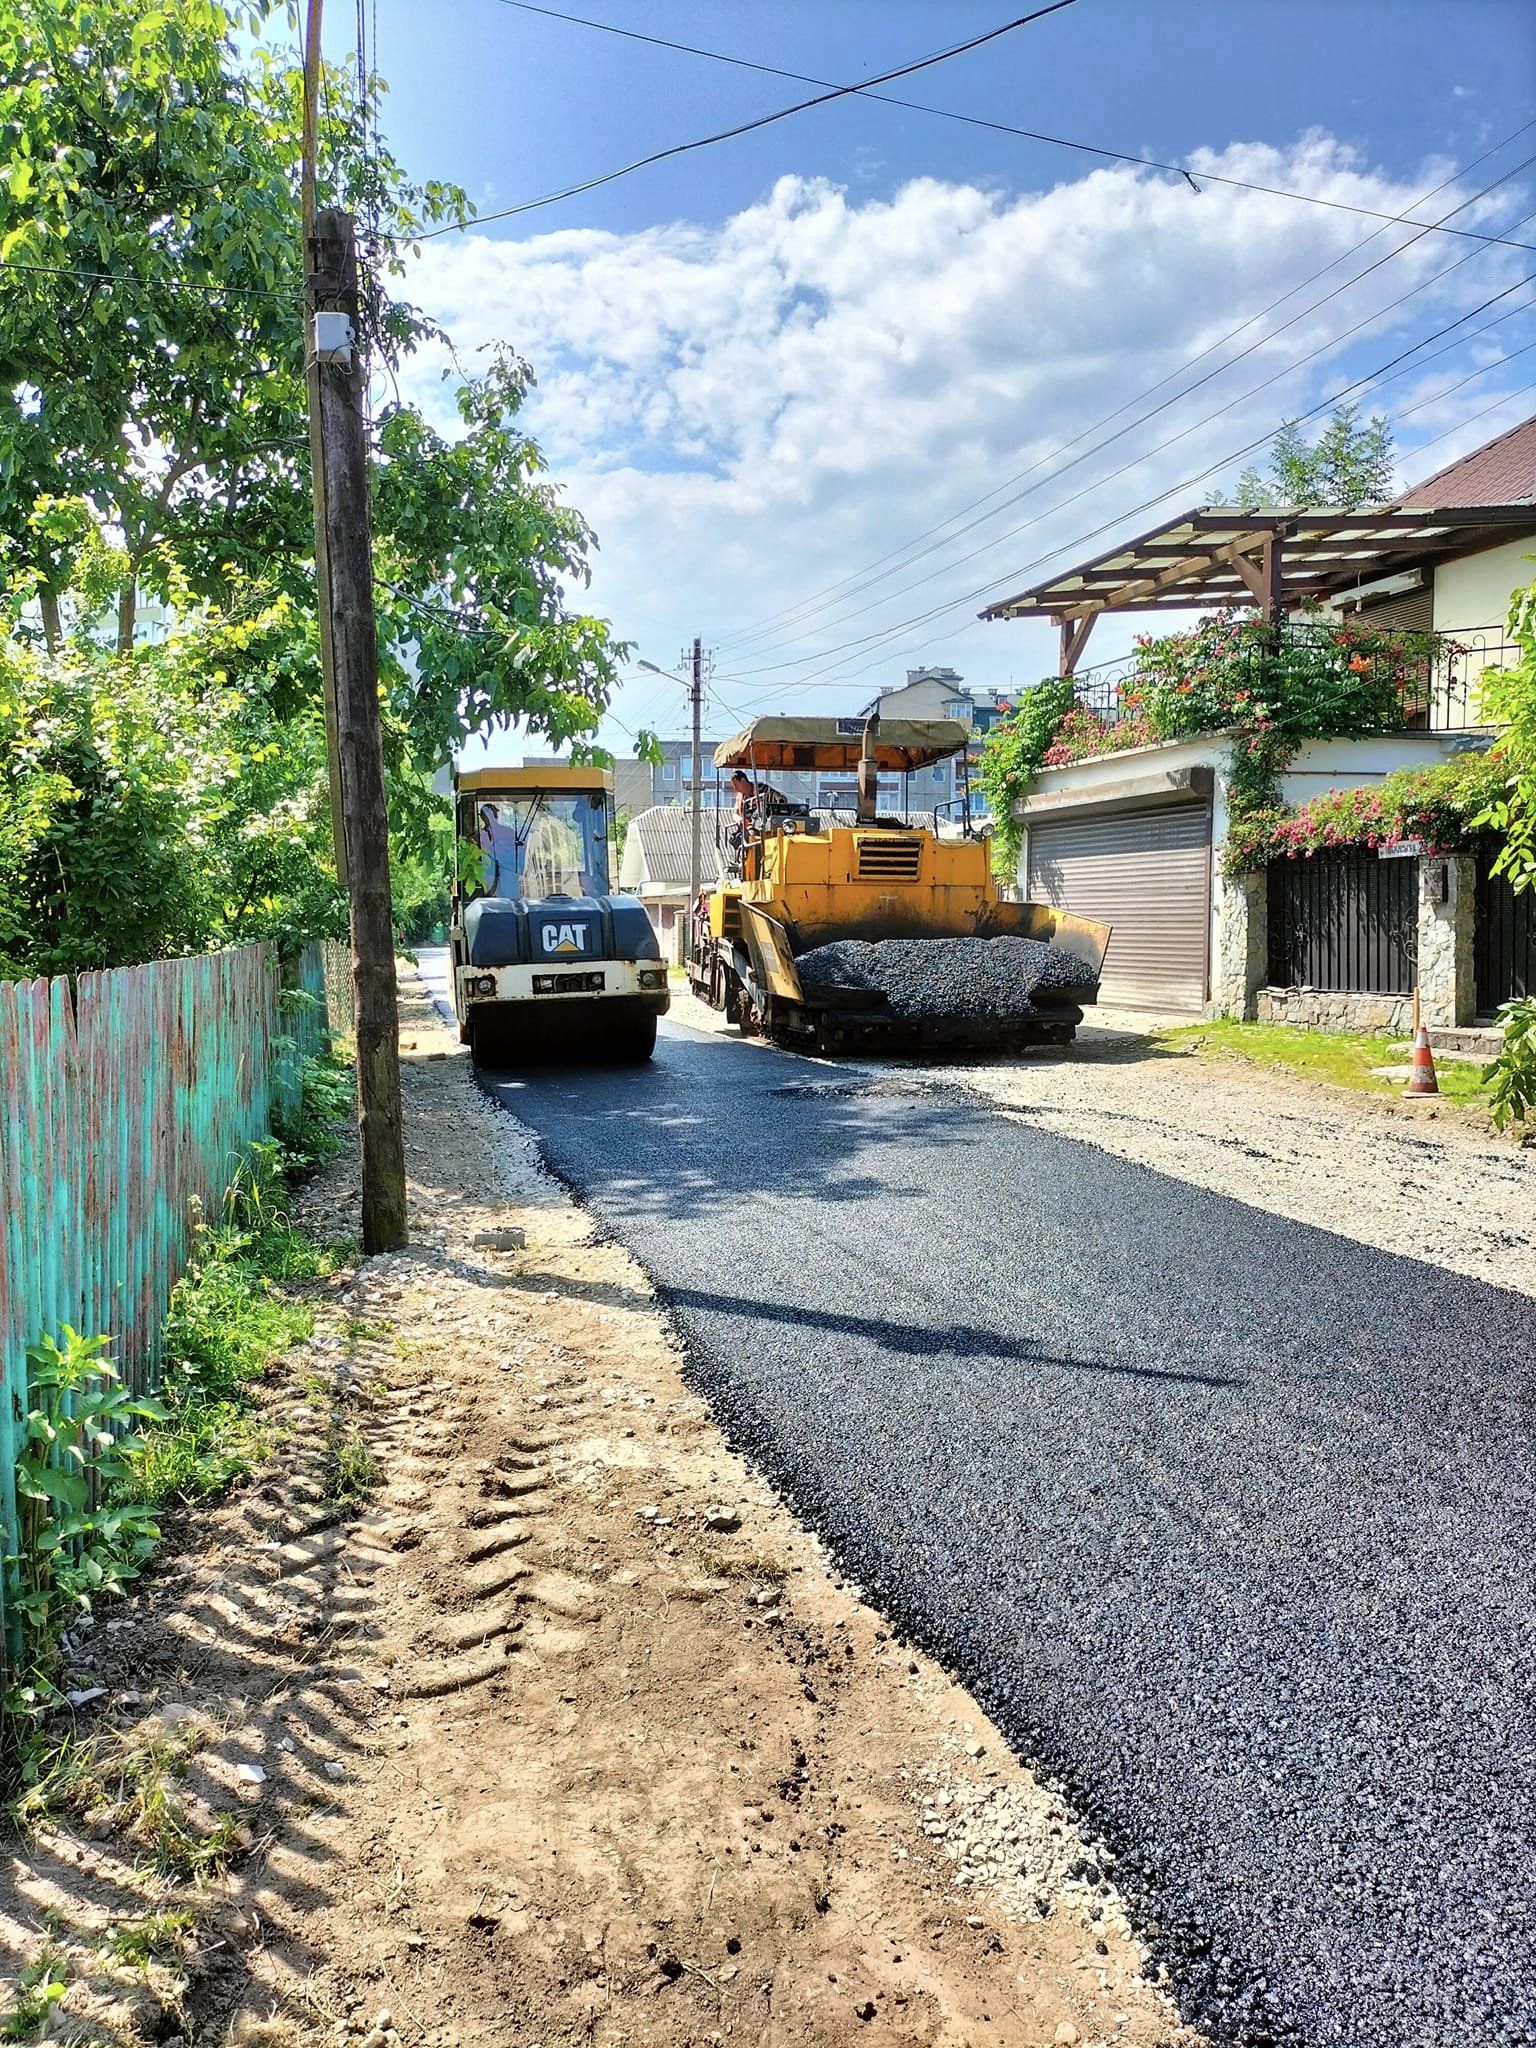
x=1508 y=699
x=153 y=416
x=161 y=805
x=474 y=551
x=1347 y=465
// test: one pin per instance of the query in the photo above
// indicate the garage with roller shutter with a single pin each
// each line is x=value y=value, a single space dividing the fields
x=1147 y=871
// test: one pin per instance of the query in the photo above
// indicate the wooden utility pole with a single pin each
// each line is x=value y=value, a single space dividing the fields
x=696 y=782
x=316 y=460
x=341 y=485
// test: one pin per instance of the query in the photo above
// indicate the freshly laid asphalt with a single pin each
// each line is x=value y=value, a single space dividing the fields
x=1228 y=1521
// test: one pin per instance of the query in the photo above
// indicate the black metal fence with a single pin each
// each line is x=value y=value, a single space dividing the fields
x=1344 y=920
x=1444 y=700
x=1503 y=936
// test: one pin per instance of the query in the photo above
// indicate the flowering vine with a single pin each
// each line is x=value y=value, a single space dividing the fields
x=1232 y=673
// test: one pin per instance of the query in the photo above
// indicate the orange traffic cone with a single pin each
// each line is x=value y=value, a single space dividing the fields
x=1423 y=1079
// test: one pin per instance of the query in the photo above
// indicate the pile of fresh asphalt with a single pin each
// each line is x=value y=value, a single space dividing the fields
x=956 y=977
x=1225 y=1519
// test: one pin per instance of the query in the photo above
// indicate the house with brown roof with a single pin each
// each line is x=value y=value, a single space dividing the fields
x=1138 y=829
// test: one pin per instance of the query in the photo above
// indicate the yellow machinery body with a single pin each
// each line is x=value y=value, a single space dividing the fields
x=804 y=883
x=857 y=882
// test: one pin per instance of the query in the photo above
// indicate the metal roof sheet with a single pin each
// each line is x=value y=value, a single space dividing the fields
x=901 y=744
x=1187 y=561
x=656 y=848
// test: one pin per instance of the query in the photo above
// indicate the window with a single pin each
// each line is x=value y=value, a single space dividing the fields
x=669 y=771
x=544 y=845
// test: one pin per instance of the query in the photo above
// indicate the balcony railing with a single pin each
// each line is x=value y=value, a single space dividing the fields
x=1445 y=701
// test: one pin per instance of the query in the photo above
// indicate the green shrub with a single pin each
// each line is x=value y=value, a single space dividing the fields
x=1513 y=1073
x=228 y=1320
x=314 y=1130
x=1011 y=758
x=1440 y=804
x=81 y=1532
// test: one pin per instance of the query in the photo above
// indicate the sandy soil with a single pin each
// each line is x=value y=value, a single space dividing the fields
x=1419 y=1178
x=569 y=1735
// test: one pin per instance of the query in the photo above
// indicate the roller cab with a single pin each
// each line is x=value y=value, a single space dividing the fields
x=545 y=957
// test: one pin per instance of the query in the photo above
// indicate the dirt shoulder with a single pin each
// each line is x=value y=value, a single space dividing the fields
x=570 y=1734
x=1417 y=1178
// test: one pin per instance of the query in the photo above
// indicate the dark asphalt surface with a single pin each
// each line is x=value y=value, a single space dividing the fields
x=1226 y=1519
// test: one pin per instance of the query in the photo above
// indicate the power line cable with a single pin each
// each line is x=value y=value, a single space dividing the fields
x=871 y=640
x=812 y=604
x=840 y=682
x=1119 y=434
x=1434 y=398
x=1195 y=179
x=821 y=99
x=1183 y=434
x=1518 y=392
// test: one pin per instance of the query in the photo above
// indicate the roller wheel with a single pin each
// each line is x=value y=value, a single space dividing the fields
x=637 y=1041
x=490 y=1042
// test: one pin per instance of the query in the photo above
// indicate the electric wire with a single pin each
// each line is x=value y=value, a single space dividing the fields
x=1195 y=179
x=1182 y=434
x=745 y=127
x=910 y=551
x=871 y=641
x=1505 y=398
x=1323 y=348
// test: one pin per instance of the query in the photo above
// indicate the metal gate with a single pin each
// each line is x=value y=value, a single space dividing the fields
x=1344 y=920
x=1504 y=937
x=1148 y=874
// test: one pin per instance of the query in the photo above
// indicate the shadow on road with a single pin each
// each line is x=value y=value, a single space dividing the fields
x=954 y=1340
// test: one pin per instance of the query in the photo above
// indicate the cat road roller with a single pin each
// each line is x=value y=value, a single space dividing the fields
x=857 y=932
x=545 y=958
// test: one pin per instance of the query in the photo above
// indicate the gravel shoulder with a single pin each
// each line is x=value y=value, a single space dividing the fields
x=1419 y=1179
x=568 y=1733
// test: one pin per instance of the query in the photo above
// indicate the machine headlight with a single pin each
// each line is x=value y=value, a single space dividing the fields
x=483 y=985
x=653 y=977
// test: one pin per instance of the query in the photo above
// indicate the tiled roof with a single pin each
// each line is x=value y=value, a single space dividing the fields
x=656 y=848
x=1501 y=472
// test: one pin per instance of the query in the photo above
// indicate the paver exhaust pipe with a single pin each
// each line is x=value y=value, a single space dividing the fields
x=869 y=773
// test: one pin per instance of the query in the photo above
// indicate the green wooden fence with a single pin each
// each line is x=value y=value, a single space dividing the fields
x=125 y=1098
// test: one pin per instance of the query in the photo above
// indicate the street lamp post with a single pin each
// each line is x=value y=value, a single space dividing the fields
x=695 y=781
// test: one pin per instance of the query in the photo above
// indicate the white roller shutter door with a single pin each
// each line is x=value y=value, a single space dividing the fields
x=1148 y=873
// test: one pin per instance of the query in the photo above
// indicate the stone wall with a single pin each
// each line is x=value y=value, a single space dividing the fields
x=1446 y=978
x=1241 y=950
x=1333 y=1009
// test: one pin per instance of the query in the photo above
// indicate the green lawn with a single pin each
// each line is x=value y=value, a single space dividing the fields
x=1344 y=1058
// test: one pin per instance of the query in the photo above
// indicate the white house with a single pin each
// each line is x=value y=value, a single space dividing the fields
x=654 y=867
x=1136 y=836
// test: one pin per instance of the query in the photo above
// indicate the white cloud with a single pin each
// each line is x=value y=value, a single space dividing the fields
x=753 y=411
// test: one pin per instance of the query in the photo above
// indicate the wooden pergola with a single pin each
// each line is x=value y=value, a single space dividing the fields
x=1272 y=559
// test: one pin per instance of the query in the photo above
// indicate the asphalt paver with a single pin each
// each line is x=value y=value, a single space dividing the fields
x=1225 y=1519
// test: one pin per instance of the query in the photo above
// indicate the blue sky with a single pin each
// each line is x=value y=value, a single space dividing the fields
x=766 y=366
